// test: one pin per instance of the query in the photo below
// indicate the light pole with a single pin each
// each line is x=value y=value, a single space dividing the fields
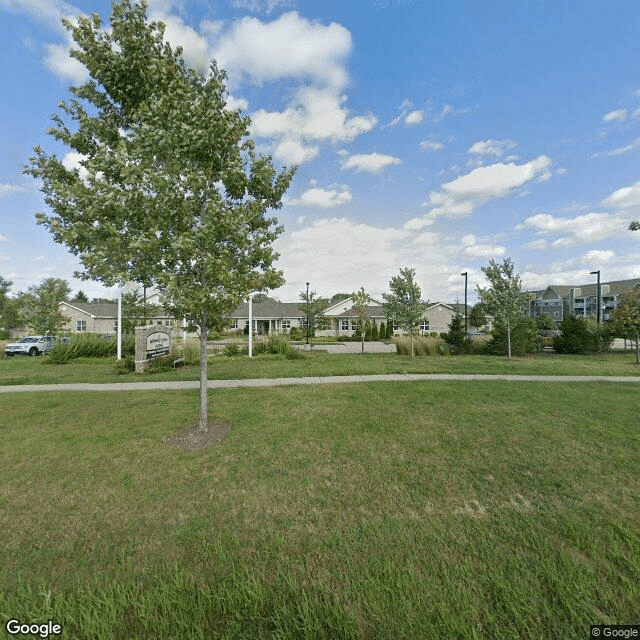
x=307 y=313
x=597 y=293
x=465 y=274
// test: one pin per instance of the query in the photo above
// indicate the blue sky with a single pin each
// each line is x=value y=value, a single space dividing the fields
x=430 y=134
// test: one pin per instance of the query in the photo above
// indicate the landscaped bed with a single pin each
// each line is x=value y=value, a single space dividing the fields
x=387 y=510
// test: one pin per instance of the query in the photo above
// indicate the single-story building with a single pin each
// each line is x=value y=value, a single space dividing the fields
x=102 y=317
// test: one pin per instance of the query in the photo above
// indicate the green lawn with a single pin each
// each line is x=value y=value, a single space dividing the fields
x=24 y=370
x=405 y=510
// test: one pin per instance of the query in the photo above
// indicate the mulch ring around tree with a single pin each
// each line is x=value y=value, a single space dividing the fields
x=191 y=438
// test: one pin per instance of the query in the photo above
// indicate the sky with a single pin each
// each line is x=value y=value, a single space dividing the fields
x=429 y=134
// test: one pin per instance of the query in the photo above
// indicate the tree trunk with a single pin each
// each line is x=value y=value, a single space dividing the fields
x=637 y=349
x=204 y=376
x=413 y=355
x=362 y=349
x=509 y=341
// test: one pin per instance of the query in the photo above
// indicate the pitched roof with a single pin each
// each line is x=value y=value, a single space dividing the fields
x=270 y=309
x=105 y=309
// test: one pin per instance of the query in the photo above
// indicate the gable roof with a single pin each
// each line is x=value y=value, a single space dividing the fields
x=104 y=309
x=269 y=309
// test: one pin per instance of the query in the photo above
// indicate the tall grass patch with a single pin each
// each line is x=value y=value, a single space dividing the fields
x=422 y=346
x=89 y=345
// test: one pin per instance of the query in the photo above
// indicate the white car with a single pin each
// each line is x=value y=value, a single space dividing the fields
x=29 y=346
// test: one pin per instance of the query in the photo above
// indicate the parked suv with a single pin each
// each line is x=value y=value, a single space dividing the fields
x=29 y=346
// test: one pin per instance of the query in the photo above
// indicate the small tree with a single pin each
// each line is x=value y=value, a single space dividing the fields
x=389 y=332
x=382 y=331
x=170 y=190
x=374 y=330
x=81 y=296
x=503 y=299
x=361 y=309
x=403 y=304
x=313 y=308
x=626 y=318
x=477 y=317
x=41 y=306
x=457 y=338
x=523 y=337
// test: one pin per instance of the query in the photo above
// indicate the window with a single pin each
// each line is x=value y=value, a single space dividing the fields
x=354 y=324
x=81 y=325
x=344 y=324
x=396 y=326
x=234 y=323
x=425 y=325
x=286 y=325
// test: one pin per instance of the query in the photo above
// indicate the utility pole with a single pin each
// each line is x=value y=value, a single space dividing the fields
x=465 y=274
x=307 y=313
x=597 y=294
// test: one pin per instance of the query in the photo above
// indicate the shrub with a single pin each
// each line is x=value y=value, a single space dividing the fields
x=382 y=331
x=125 y=365
x=231 y=349
x=374 y=331
x=582 y=335
x=524 y=339
x=545 y=323
x=296 y=333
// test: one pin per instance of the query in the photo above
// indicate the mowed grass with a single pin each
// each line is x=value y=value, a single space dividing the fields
x=406 y=510
x=24 y=370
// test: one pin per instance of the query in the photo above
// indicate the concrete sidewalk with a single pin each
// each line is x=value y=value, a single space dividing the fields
x=278 y=382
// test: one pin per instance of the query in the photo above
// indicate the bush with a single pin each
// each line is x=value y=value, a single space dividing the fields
x=382 y=331
x=90 y=345
x=125 y=365
x=582 y=335
x=231 y=349
x=524 y=339
x=296 y=333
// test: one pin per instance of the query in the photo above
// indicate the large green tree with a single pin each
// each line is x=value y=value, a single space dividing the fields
x=503 y=298
x=40 y=306
x=169 y=191
x=403 y=305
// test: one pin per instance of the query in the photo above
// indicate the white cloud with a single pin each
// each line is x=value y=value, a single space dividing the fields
x=49 y=12
x=288 y=47
x=292 y=152
x=598 y=256
x=3 y=238
x=620 y=151
x=431 y=145
x=58 y=60
x=536 y=245
x=619 y=115
x=581 y=229
x=195 y=47
x=414 y=117
x=8 y=189
x=462 y=196
x=624 y=198
x=490 y=147
x=325 y=198
x=485 y=251
x=317 y=114
x=371 y=162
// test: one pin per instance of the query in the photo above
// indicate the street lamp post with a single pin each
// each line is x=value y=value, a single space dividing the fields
x=597 y=293
x=465 y=274
x=307 y=313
